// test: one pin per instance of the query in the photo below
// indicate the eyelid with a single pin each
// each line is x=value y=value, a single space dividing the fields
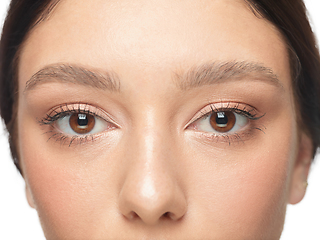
x=69 y=108
x=242 y=108
x=59 y=112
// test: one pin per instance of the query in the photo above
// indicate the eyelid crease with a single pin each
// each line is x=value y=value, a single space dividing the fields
x=61 y=111
x=241 y=108
x=66 y=109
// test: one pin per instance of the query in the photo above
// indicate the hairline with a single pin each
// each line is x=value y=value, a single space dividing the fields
x=294 y=65
x=12 y=124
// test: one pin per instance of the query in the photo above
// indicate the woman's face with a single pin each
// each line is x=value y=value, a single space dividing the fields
x=158 y=120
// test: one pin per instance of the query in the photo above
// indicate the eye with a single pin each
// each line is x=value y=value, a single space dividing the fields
x=221 y=122
x=81 y=124
x=226 y=122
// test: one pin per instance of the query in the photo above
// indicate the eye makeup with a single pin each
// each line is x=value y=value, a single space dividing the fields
x=77 y=123
x=226 y=122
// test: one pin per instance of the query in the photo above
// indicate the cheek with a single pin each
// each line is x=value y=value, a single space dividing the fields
x=248 y=188
x=55 y=190
x=68 y=187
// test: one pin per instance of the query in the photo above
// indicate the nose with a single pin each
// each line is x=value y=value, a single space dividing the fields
x=151 y=191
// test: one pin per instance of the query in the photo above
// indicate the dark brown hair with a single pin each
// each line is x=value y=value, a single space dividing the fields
x=289 y=16
x=22 y=16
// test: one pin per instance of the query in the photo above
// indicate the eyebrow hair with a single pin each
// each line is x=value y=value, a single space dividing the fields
x=201 y=75
x=216 y=72
x=74 y=74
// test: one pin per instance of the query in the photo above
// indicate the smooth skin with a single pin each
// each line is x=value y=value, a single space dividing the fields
x=153 y=172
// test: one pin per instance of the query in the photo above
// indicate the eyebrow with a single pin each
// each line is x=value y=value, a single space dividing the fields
x=197 y=76
x=74 y=74
x=216 y=72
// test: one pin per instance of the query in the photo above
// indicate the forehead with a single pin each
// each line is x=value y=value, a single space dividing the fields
x=153 y=35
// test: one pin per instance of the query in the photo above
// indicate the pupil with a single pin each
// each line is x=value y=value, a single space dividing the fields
x=82 y=120
x=221 y=118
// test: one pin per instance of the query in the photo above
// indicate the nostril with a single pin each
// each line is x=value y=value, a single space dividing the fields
x=151 y=199
x=132 y=215
x=166 y=215
x=170 y=215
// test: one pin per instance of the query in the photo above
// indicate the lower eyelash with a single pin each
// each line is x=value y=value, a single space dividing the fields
x=237 y=137
x=238 y=108
x=63 y=111
x=261 y=129
x=70 y=140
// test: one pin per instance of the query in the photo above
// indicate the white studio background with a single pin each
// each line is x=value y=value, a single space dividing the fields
x=19 y=221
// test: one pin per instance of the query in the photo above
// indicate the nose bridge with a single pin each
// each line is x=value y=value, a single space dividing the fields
x=153 y=140
x=151 y=191
x=149 y=167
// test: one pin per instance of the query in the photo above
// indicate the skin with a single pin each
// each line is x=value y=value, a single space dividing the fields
x=152 y=174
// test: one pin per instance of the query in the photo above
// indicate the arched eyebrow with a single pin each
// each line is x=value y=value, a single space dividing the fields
x=216 y=72
x=75 y=74
x=201 y=75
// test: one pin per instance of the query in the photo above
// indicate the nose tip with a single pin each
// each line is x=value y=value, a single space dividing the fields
x=152 y=202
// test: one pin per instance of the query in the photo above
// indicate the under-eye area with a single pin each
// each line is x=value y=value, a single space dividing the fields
x=76 y=123
x=160 y=119
x=227 y=122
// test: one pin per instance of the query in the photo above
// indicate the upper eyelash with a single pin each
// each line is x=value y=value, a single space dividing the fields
x=240 y=108
x=250 y=113
x=50 y=118
x=68 y=109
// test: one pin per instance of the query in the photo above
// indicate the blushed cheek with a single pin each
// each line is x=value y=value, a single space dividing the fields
x=54 y=190
x=251 y=200
x=263 y=196
x=67 y=196
x=268 y=192
x=244 y=193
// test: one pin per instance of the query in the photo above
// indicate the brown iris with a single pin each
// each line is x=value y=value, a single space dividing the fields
x=82 y=123
x=222 y=121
